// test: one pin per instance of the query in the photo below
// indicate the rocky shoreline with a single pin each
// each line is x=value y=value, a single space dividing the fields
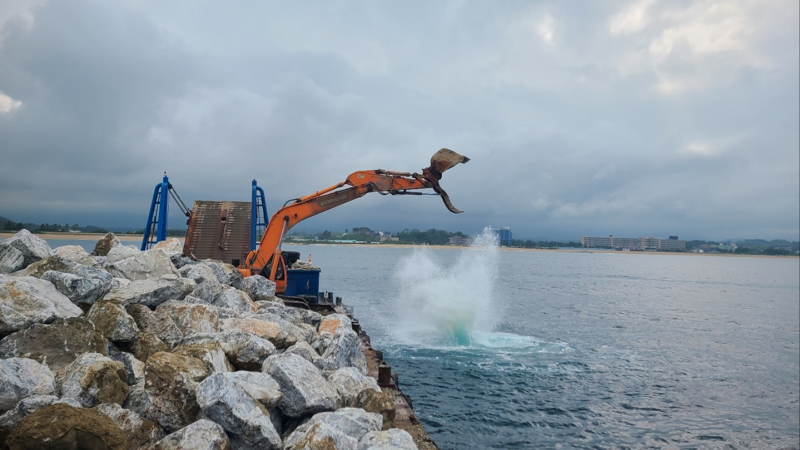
x=124 y=349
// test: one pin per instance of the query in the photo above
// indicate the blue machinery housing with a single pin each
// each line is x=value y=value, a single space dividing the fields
x=156 y=229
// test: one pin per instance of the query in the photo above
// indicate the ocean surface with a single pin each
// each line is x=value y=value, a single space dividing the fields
x=503 y=349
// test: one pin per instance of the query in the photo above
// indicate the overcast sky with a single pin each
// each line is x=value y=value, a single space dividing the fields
x=590 y=118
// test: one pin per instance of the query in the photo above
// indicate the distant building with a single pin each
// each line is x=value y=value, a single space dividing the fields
x=504 y=237
x=640 y=243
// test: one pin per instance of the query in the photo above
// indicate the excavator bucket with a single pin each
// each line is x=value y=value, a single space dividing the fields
x=441 y=161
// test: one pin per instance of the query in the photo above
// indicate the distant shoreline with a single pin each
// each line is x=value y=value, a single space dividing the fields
x=138 y=238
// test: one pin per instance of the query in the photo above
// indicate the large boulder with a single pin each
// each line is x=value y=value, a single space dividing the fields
x=320 y=435
x=302 y=348
x=226 y=273
x=81 y=283
x=394 y=439
x=353 y=422
x=24 y=408
x=152 y=292
x=234 y=299
x=208 y=286
x=77 y=254
x=295 y=315
x=119 y=253
x=378 y=402
x=245 y=351
x=258 y=287
x=210 y=353
x=147 y=345
x=138 y=432
x=344 y=351
x=190 y=318
x=11 y=259
x=294 y=333
x=304 y=389
x=110 y=318
x=332 y=323
x=171 y=245
x=171 y=381
x=201 y=435
x=134 y=368
x=93 y=379
x=56 y=344
x=349 y=382
x=61 y=426
x=33 y=248
x=105 y=244
x=160 y=325
x=21 y=378
x=27 y=300
x=227 y=403
x=144 y=265
x=267 y=330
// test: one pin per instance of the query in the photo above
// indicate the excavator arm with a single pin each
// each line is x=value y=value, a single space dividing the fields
x=266 y=260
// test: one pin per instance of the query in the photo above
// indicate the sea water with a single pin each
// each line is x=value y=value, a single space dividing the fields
x=503 y=349
x=508 y=349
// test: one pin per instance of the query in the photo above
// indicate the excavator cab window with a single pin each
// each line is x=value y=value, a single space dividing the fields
x=280 y=271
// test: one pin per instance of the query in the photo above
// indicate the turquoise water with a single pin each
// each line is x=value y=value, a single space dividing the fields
x=520 y=349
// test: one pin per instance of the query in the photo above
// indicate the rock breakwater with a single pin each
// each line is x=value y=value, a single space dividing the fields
x=129 y=349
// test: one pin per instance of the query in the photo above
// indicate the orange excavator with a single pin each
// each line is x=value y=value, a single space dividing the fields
x=267 y=260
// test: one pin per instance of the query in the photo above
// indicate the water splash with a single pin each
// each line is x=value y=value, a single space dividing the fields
x=443 y=304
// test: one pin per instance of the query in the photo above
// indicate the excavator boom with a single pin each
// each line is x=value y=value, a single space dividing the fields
x=266 y=260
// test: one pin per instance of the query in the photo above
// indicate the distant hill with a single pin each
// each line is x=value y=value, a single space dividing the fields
x=3 y=221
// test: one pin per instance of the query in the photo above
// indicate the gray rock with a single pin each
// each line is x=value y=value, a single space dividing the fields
x=179 y=260
x=120 y=253
x=226 y=273
x=139 y=401
x=171 y=245
x=321 y=342
x=110 y=318
x=353 y=422
x=170 y=382
x=80 y=290
x=33 y=248
x=56 y=344
x=296 y=316
x=77 y=254
x=106 y=243
x=267 y=330
x=210 y=353
x=134 y=368
x=392 y=439
x=201 y=435
x=303 y=349
x=245 y=351
x=208 y=287
x=146 y=345
x=161 y=326
x=344 y=351
x=81 y=283
x=190 y=318
x=320 y=435
x=260 y=386
x=152 y=292
x=304 y=389
x=374 y=401
x=334 y=322
x=234 y=299
x=138 y=432
x=292 y=332
x=143 y=266
x=93 y=379
x=227 y=403
x=349 y=382
x=21 y=378
x=11 y=259
x=27 y=300
x=258 y=287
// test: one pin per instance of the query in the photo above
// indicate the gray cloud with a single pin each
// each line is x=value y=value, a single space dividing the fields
x=647 y=117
